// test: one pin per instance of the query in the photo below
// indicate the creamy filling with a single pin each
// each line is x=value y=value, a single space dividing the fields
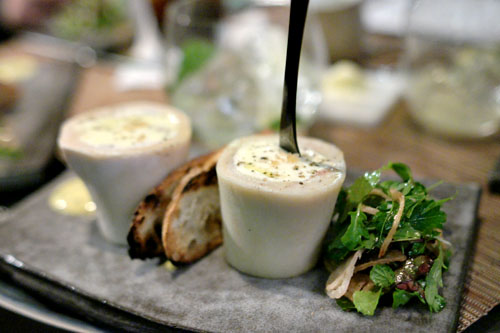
x=267 y=161
x=127 y=128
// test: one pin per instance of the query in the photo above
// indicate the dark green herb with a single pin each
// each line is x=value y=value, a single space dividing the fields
x=401 y=297
x=382 y=276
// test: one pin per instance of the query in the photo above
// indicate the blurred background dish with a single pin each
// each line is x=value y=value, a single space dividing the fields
x=358 y=96
x=452 y=62
x=341 y=23
x=101 y=24
x=230 y=60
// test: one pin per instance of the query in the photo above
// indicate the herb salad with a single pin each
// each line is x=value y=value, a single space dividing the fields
x=386 y=241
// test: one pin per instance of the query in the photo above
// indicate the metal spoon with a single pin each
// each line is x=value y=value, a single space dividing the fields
x=288 y=127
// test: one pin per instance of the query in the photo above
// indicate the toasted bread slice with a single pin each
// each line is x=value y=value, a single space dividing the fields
x=144 y=237
x=192 y=224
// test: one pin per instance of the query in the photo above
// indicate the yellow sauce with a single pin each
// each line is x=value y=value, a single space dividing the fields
x=128 y=128
x=72 y=198
x=14 y=69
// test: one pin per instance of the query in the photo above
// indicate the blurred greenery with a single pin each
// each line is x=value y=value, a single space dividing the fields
x=196 y=52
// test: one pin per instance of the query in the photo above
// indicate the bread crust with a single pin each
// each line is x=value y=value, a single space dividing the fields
x=146 y=232
x=200 y=180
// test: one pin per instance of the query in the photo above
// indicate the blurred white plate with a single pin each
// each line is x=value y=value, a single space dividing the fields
x=363 y=107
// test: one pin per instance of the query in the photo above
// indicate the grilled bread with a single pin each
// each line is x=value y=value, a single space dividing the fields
x=148 y=226
x=192 y=224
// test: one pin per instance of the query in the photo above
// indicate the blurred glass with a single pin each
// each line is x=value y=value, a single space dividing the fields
x=341 y=24
x=228 y=61
x=101 y=24
x=453 y=62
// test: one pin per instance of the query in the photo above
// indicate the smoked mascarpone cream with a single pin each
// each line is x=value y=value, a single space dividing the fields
x=276 y=206
x=121 y=152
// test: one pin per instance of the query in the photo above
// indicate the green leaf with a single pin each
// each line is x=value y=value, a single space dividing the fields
x=401 y=297
x=368 y=243
x=382 y=276
x=359 y=190
x=417 y=249
x=196 y=52
x=405 y=233
x=345 y=304
x=427 y=217
x=402 y=170
x=439 y=303
x=412 y=201
x=433 y=186
x=352 y=237
x=335 y=249
x=373 y=178
x=433 y=281
x=366 y=301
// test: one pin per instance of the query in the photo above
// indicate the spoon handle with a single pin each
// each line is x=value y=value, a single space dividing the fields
x=288 y=126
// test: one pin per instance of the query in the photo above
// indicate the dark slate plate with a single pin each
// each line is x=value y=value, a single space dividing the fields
x=65 y=260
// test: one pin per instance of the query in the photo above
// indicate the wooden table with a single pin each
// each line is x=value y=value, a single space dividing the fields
x=396 y=139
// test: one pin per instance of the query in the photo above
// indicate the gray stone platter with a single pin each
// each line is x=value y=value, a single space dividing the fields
x=64 y=259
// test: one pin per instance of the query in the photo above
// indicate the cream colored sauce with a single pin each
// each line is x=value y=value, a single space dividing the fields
x=72 y=198
x=130 y=128
x=263 y=160
x=14 y=69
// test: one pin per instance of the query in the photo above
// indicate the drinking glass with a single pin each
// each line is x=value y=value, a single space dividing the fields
x=228 y=60
x=453 y=62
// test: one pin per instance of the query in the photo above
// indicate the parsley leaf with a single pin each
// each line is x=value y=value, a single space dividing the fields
x=401 y=297
x=366 y=301
x=369 y=243
x=359 y=190
x=433 y=281
x=427 y=217
x=416 y=249
x=402 y=170
x=405 y=233
x=355 y=231
x=372 y=177
x=382 y=276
